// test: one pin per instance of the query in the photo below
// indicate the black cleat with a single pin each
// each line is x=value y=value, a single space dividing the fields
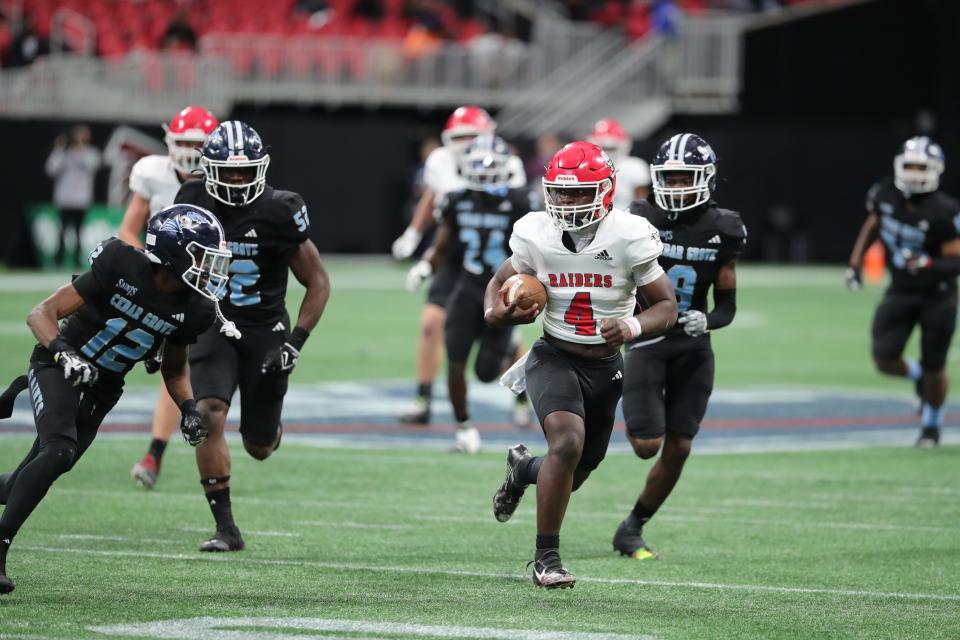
x=629 y=542
x=226 y=540
x=929 y=438
x=8 y=397
x=276 y=443
x=507 y=497
x=549 y=572
x=419 y=415
x=6 y=584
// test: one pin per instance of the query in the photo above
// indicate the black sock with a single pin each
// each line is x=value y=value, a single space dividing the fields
x=53 y=459
x=547 y=544
x=640 y=515
x=425 y=392
x=4 y=546
x=157 y=447
x=219 y=502
x=529 y=470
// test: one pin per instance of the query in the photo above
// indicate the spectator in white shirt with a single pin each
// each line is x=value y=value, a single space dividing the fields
x=72 y=165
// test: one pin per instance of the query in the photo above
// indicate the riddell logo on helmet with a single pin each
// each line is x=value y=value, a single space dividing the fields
x=567 y=178
x=241 y=158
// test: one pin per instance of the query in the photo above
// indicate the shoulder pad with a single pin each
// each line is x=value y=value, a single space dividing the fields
x=191 y=192
x=730 y=223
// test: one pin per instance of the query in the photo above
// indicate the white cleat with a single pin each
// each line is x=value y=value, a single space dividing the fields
x=466 y=440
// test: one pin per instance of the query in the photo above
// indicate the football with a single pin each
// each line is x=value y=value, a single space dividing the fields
x=525 y=290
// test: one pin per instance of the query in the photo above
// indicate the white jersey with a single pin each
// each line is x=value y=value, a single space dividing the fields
x=597 y=283
x=155 y=179
x=441 y=175
x=632 y=172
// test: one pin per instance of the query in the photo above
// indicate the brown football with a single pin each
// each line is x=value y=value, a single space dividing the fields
x=525 y=290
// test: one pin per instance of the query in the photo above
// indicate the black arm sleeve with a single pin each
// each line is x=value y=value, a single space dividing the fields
x=945 y=265
x=87 y=286
x=724 y=308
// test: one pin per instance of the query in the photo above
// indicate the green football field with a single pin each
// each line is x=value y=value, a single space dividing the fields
x=400 y=543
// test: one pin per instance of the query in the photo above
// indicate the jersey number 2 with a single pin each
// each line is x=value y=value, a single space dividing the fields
x=580 y=315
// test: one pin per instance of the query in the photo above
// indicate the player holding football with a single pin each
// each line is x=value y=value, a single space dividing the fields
x=268 y=231
x=475 y=226
x=442 y=176
x=633 y=174
x=919 y=226
x=668 y=380
x=154 y=182
x=120 y=312
x=592 y=258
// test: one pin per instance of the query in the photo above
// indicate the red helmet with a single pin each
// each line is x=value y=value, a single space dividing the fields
x=192 y=125
x=577 y=167
x=464 y=124
x=610 y=135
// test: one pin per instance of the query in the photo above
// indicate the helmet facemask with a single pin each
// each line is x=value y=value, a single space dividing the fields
x=209 y=273
x=916 y=172
x=571 y=217
x=221 y=184
x=184 y=148
x=695 y=193
x=486 y=171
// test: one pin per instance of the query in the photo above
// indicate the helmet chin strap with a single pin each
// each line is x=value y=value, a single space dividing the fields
x=227 y=327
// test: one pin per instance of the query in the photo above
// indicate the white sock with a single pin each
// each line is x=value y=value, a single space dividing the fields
x=931 y=417
x=913 y=369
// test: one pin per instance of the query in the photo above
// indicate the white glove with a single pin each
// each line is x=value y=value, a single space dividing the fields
x=76 y=370
x=405 y=245
x=694 y=323
x=418 y=274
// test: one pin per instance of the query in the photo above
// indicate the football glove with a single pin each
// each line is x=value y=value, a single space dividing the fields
x=404 y=246
x=284 y=358
x=152 y=364
x=914 y=262
x=75 y=369
x=191 y=424
x=854 y=278
x=694 y=323
x=418 y=274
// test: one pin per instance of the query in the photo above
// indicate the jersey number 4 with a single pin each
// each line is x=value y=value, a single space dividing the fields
x=580 y=315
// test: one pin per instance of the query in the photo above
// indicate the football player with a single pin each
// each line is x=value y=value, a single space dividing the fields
x=591 y=258
x=154 y=181
x=268 y=231
x=633 y=174
x=441 y=176
x=118 y=313
x=668 y=380
x=919 y=226
x=475 y=225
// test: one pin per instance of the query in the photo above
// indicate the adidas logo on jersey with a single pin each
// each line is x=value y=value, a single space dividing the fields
x=618 y=375
x=603 y=255
x=714 y=240
x=178 y=317
x=250 y=234
x=279 y=327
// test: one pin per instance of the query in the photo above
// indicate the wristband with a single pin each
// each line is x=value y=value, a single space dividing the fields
x=59 y=345
x=188 y=406
x=298 y=337
x=634 y=325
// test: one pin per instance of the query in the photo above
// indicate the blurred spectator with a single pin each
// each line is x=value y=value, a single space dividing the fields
x=495 y=57
x=547 y=145
x=369 y=9
x=72 y=165
x=179 y=35
x=665 y=16
x=27 y=44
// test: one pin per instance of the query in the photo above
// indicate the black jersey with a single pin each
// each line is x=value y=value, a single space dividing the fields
x=262 y=236
x=696 y=244
x=919 y=225
x=125 y=317
x=482 y=224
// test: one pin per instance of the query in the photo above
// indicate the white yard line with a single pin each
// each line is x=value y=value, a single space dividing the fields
x=268 y=534
x=84 y=536
x=334 y=524
x=382 y=568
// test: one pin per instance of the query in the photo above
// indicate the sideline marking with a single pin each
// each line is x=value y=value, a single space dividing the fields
x=345 y=566
x=209 y=628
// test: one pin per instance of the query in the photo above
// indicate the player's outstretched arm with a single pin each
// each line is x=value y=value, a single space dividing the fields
x=175 y=370
x=868 y=233
x=496 y=312
x=44 y=318
x=406 y=244
x=433 y=257
x=134 y=220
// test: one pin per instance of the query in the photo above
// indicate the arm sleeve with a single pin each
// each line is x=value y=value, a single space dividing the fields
x=645 y=246
x=521 y=258
x=138 y=179
x=297 y=227
x=518 y=175
x=644 y=274
x=88 y=286
x=724 y=308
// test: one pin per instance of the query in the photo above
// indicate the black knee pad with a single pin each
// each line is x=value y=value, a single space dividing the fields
x=59 y=453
